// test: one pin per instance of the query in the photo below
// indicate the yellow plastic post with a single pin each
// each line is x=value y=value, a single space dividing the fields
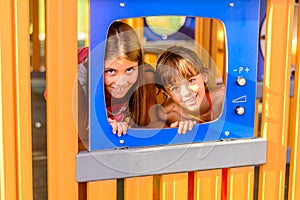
x=15 y=106
x=61 y=77
x=276 y=97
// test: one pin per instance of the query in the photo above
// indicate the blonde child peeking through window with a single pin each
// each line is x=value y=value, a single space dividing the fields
x=183 y=79
x=129 y=83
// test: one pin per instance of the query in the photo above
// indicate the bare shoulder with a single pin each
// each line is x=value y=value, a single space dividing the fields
x=217 y=95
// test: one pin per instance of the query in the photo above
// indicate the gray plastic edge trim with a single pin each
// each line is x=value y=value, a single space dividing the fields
x=124 y=163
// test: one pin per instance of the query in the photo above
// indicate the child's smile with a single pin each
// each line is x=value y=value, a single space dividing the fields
x=119 y=76
x=188 y=93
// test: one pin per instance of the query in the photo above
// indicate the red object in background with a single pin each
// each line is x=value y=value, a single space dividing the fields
x=82 y=54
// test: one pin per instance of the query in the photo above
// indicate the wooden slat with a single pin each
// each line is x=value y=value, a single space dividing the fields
x=207 y=185
x=294 y=176
x=240 y=183
x=276 y=97
x=61 y=76
x=174 y=186
x=138 y=188
x=102 y=190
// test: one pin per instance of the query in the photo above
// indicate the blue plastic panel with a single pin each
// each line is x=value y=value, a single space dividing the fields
x=241 y=22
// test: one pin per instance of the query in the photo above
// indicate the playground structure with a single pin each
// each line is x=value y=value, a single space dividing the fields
x=280 y=113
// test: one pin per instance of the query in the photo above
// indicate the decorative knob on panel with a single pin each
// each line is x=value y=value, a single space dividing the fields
x=240 y=110
x=241 y=81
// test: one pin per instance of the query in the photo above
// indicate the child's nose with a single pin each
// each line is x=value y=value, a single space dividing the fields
x=121 y=81
x=185 y=90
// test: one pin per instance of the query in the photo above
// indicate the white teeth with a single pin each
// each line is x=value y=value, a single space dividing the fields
x=119 y=89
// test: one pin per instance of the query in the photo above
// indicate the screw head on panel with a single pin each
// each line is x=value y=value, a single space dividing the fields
x=122 y=4
x=240 y=110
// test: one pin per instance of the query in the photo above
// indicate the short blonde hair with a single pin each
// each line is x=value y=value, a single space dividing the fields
x=177 y=62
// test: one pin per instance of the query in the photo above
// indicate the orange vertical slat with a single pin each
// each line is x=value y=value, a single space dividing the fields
x=151 y=59
x=221 y=51
x=203 y=33
x=136 y=23
x=138 y=188
x=174 y=186
x=61 y=65
x=276 y=97
x=102 y=190
x=35 y=36
x=15 y=111
x=23 y=99
x=208 y=185
x=240 y=183
x=214 y=50
x=8 y=168
x=294 y=176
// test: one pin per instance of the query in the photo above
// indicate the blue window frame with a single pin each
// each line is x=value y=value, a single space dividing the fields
x=241 y=21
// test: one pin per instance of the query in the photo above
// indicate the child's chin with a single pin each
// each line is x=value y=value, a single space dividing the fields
x=119 y=95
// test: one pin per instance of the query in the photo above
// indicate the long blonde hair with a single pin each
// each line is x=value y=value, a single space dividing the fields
x=122 y=40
